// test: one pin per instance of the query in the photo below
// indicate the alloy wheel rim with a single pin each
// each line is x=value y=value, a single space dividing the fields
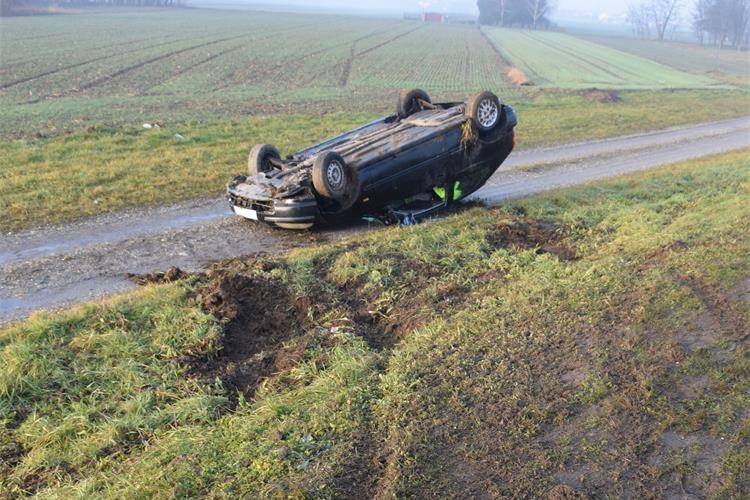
x=487 y=113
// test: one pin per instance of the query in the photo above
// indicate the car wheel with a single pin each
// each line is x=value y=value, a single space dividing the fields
x=484 y=110
x=408 y=102
x=258 y=159
x=334 y=179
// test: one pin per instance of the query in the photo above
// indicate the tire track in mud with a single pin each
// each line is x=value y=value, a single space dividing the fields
x=344 y=80
x=467 y=62
x=190 y=68
x=279 y=67
x=231 y=77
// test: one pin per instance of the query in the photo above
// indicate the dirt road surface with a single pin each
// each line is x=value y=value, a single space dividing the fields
x=56 y=266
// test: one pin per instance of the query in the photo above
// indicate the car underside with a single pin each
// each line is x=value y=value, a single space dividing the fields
x=374 y=170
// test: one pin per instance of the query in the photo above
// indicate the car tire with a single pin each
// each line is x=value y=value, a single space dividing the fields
x=333 y=179
x=408 y=102
x=484 y=110
x=257 y=160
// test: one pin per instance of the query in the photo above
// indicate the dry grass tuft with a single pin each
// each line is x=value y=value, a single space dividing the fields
x=519 y=78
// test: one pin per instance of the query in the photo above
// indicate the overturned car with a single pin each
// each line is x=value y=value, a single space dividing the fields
x=436 y=152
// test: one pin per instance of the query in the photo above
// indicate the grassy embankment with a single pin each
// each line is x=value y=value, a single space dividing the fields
x=595 y=337
x=56 y=179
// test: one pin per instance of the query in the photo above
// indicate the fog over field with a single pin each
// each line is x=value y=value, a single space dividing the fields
x=461 y=6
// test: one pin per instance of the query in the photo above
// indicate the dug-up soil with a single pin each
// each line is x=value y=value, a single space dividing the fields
x=266 y=328
x=259 y=316
x=527 y=233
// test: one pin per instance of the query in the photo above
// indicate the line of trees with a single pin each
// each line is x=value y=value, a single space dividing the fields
x=9 y=7
x=719 y=22
x=525 y=13
x=722 y=22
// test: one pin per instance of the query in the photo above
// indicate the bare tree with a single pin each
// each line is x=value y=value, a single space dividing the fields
x=537 y=9
x=661 y=15
x=638 y=17
x=665 y=14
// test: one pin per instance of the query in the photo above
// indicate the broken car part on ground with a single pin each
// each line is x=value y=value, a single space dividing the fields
x=429 y=153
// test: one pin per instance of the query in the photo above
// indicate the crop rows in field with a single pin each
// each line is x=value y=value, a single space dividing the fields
x=110 y=67
x=732 y=66
x=453 y=58
x=552 y=59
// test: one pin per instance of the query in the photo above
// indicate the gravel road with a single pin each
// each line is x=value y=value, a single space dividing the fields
x=56 y=266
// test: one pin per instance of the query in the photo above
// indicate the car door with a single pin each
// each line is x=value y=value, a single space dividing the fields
x=411 y=162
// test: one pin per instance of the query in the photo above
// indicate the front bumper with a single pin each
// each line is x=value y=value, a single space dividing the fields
x=285 y=212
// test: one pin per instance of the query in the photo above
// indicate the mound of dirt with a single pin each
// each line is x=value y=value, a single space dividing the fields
x=603 y=96
x=527 y=233
x=259 y=316
x=518 y=77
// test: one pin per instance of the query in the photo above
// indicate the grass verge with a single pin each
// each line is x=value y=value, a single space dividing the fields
x=53 y=180
x=589 y=341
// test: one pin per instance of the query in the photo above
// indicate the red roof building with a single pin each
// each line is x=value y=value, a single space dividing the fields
x=433 y=17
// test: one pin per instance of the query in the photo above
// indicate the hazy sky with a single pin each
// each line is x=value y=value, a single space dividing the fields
x=593 y=6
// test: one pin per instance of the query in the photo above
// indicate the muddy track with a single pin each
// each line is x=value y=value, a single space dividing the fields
x=54 y=266
x=467 y=63
x=280 y=67
x=191 y=67
x=231 y=78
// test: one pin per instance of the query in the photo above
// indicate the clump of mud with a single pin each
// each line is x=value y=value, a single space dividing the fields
x=563 y=492
x=528 y=233
x=259 y=316
x=603 y=96
x=159 y=277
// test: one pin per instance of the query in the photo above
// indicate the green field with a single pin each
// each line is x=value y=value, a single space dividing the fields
x=590 y=341
x=552 y=59
x=731 y=66
x=126 y=67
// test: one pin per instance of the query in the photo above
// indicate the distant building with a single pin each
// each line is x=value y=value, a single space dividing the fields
x=433 y=17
